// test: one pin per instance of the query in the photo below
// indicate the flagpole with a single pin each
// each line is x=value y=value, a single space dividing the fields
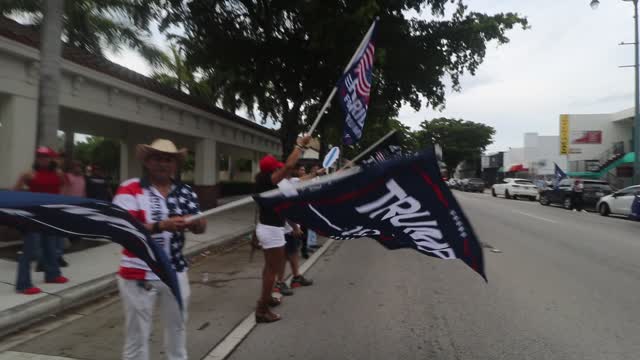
x=249 y=199
x=382 y=139
x=335 y=88
x=300 y=185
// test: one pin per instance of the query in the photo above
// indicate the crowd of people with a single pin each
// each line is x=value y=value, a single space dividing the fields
x=162 y=203
x=51 y=174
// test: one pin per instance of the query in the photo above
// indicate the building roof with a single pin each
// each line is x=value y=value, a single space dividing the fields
x=30 y=36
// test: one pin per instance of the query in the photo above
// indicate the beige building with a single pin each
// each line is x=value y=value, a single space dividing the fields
x=101 y=98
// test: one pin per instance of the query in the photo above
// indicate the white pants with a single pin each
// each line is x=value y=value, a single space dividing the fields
x=270 y=236
x=138 y=309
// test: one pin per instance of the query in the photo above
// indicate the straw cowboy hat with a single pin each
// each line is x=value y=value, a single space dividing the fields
x=160 y=146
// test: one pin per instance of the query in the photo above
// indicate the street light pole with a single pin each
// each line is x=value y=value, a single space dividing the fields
x=636 y=120
x=636 y=117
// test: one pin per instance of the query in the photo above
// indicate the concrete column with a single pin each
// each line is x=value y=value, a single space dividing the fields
x=69 y=136
x=255 y=165
x=130 y=167
x=19 y=123
x=124 y=161
x=231 y=168
x=206 y=166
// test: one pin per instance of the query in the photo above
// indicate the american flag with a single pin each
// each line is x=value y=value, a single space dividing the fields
x=354 y=89
x=365 y=71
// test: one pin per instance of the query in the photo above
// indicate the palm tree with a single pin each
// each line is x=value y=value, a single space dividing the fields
x=50 y=61
x=95 y=25
x=173 y=70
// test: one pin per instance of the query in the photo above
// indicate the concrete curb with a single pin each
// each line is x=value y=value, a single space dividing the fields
x=22 y=316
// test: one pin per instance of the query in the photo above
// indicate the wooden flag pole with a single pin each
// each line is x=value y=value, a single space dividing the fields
x=335 y=88
x=249 y=199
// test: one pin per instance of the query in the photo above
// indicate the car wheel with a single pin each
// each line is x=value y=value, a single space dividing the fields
x=604 y=210
x=544 y=200
x=507 y=195
x=567 y=203
x=493 y=192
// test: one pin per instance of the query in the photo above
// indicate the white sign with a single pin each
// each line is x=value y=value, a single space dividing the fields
x=331 y=157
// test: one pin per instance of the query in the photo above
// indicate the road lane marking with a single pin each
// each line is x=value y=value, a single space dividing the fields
x=534 y=216
x=225 y=347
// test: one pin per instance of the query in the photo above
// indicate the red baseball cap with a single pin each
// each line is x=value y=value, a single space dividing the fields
x=270 y=164
x=46 y=151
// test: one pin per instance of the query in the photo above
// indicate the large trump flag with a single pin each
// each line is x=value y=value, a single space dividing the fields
x=401 y=203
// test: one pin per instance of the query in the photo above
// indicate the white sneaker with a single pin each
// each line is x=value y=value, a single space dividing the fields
x=585 y=211
x=574 y=210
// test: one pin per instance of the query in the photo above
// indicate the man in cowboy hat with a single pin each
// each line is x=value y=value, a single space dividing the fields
x=161 y=203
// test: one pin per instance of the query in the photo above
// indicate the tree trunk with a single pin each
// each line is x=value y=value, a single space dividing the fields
x=50 y=62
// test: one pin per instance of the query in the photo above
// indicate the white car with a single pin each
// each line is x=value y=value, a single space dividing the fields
x=515 y=188
x=619 y=202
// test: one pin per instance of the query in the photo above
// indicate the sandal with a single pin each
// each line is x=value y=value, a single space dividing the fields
x=264 y=314
x=274 y=301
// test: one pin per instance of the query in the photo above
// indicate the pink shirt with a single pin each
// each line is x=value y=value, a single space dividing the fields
x=74 y=185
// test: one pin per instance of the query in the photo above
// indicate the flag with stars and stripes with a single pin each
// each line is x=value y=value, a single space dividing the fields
x=354 y=90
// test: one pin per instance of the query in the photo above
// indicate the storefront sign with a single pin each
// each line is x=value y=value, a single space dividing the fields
x=564 y=134
x=586 y=137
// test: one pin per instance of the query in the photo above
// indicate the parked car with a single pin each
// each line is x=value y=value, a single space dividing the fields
x=473 y=185
x=619 y=202
x=454 y=183
x=515 y=188
x=593 y=191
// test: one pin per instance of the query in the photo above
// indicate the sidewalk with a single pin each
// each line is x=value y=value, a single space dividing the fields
x=92 y=273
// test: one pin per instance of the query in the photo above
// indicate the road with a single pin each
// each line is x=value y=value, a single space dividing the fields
x=565 y=286
x=562 y=285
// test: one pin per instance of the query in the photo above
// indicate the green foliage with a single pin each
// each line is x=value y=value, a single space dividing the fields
x=460 y=140
x=284 y=57
x=94 y=25
x=100 y=151
x=172 y=70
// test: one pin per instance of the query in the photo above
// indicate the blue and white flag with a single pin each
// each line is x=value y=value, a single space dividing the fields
x=559 y=176
x=86 y=218
x=354 y=89
x=401 y=202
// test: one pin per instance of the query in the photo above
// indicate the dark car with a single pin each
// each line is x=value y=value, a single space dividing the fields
x=473 y=185
x=593 y=191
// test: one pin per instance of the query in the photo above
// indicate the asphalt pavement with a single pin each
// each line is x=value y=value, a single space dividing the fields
x=562 y=285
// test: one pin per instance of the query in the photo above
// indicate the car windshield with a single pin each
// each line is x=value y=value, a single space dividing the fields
x=523 y=182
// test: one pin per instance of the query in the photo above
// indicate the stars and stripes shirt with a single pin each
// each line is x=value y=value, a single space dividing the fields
x=146 y=203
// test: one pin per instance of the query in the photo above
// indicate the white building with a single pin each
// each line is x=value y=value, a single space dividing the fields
x=540 y=154
x=600 y=144
x=536 y=158
x=100 y=98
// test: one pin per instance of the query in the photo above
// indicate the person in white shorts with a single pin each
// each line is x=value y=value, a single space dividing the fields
x=270 y=229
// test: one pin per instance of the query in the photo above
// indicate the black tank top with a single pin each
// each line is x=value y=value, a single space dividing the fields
x=268 y=216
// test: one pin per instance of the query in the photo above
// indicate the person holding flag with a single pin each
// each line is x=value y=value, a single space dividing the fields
x=559 y=176
x=270 y=228
x=160 y=203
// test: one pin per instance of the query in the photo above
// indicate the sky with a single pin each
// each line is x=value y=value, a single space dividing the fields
x=567 y=62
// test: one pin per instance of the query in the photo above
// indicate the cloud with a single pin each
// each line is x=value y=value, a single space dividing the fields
x=566 y=63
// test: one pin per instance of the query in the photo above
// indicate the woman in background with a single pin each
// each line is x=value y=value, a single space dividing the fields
x=43 y=178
